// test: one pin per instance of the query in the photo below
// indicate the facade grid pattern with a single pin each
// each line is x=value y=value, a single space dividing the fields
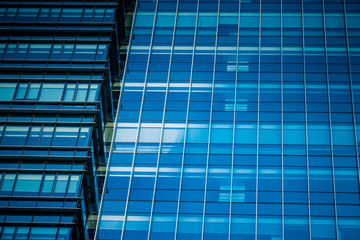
x=237 y=120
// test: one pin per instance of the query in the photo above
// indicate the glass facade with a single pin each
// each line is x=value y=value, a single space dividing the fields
x=59 y=62
x=237 y=120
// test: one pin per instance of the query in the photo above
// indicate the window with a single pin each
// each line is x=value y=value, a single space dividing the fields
x=84 y=52
x=73 y=189
x=84 y=136
x=102 y=52
x=61 y=185
x=27 y=14
x=42 y=233
x=47 y=185
x=71 y=14
x=28 y=183
x=51 y=92
x=38 y=51
x=21 y=91
x=7 y=184
x=15 y=135
x=81 y=92
x=65 y=136
x=7 y=91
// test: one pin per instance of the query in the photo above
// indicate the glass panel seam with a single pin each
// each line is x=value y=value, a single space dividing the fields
x=186 y=123
x=210 y=123
x=330 y=118
x=163 y=122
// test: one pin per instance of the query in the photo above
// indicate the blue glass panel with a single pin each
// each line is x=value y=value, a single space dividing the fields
x=27 y=184
x=7 y=91
x=51 y=92
x=43 y=233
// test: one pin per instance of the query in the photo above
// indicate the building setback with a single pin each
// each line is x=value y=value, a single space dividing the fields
x=237 y=120
x=58 y=63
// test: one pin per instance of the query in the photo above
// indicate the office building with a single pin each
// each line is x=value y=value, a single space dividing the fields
x=237 y=120
x=59 y=62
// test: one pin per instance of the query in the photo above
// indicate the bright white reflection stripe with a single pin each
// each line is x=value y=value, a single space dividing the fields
x=205 y=48
x=132 y=84
x=233 y=49
x=137 y=218
x=227 y=48
x=219 y=170
x=139 y=47
x=163 y=169
x=194 y=170
x=145 y=169
x=161 y=47
x=158 y=125
x=244 y=170
x=120 y=169
x=112 y=217
x=201 y=85
x=185 y=85
x=128 y=125
x=183 y=48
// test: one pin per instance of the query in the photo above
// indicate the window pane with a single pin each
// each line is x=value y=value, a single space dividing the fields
x=21 y=91
x=84 y=52
x=51 y=92
x=71 y=14
x=33 y=92
x=74 y=185
x=33 y=136
x=81 y=92
x=47 y=185
x=28 y=183
x=84 y=136
x=7 y=91
x=69 y=92
x=65 y=136
x=109 y=15
x=101 y=52
x=61 y=185
x=8 y=182
x=27 y=14
x=38 y=51
x=15 y=135
x=10 y=51
x=37 y=233
x=46 y=136
x=93 y=92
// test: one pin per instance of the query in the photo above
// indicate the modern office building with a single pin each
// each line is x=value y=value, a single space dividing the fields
x=59 y=61
x=237 y=120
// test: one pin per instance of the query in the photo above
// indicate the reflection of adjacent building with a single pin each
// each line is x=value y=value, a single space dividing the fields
x=58 y=63
x=239 y=120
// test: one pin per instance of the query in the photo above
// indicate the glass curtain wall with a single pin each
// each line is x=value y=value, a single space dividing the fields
x=237 y=120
